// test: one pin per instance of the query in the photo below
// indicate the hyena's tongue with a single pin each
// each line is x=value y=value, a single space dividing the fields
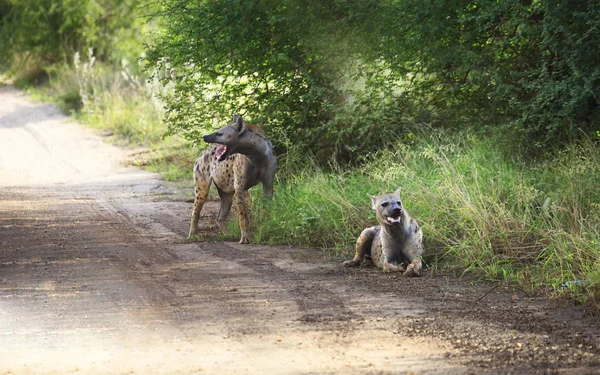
x=221 y=150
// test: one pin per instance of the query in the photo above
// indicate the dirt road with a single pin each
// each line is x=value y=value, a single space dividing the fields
x=97 y=277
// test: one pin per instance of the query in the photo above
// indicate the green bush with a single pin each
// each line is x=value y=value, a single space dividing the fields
x=52 y=31
x=340 y=78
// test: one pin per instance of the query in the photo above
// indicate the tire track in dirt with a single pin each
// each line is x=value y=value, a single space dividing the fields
x=316 y=303
x=71 y=278
x=278 y=296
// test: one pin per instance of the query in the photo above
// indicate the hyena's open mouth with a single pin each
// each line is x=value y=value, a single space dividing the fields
x=394 y=220
x=221 y=152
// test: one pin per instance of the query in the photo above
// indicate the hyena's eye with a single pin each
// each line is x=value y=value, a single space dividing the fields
x=219 y=134
x=399 y=203
x=385 y=204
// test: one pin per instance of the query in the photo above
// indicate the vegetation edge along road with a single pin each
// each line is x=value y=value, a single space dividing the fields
x=501 y=167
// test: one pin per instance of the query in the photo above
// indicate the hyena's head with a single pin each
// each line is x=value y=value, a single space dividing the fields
x=227 y=137
x=389 y=208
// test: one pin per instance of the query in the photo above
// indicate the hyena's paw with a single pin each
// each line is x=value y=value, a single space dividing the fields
x=351 y=263
x=193 y=233
x=367 y=262
x=221 y=226
x=388 y=267
x=412 y=271
x=244 y=239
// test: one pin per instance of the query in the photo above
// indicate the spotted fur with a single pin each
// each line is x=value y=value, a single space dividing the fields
x=397 y=240
x=241 y=157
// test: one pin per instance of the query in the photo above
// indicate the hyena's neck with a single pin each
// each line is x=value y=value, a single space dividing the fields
x=256 y=148
x=394 y=233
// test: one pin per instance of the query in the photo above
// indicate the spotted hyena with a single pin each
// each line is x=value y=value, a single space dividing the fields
x=395 y=242
x=241 y=158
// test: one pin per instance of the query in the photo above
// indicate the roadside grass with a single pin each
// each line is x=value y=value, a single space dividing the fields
x=481 y=211
x=536 y=224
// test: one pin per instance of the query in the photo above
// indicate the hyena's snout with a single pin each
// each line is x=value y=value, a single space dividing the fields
x=393 y=215
x=221 y=151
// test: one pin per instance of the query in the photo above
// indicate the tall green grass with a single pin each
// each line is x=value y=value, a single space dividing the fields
x=119 y=102
x=481 y=210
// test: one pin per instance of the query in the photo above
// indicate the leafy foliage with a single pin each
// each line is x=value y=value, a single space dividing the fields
x=244 y=57
x=52 y=31
x=528 y=64
x=340 y=77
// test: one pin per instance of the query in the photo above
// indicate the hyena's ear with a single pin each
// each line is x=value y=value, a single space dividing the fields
x=373 y=200
x=397 y=192
x=240 y=124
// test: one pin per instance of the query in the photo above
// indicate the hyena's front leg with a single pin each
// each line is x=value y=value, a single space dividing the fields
x=201 y=192
x=363 y=246
x=391 y=267
x=413 y=249
x=414 y=268
x=390 y=261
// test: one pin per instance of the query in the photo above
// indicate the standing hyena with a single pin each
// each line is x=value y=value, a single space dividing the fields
x=397 y=240
x=241 y=158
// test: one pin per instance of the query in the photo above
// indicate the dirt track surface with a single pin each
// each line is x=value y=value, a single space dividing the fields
x=97 y=277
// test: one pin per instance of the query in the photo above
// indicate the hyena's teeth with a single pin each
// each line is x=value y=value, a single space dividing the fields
x=221 y=150
x=393 y=220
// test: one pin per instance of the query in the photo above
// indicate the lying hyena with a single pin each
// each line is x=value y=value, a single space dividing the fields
x=397 y=240
x=241 y=158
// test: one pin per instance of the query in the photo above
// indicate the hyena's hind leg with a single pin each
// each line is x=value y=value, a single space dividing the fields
x=200 y=193
x=240 y=198
x=363 y=247
x=226 y=203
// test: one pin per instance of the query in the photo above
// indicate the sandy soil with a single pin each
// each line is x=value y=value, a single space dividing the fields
x=97 y=277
